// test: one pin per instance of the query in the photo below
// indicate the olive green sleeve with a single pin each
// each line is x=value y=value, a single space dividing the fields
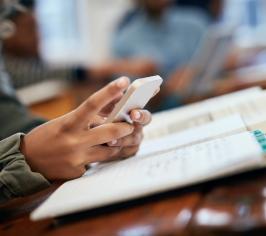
x=15 y=117
x=16 y=177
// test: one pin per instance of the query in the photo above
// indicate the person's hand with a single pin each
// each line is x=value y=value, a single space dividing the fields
x=129 y=145
x=61 y=148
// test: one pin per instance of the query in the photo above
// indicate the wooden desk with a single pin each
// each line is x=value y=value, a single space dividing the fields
x=234 y=206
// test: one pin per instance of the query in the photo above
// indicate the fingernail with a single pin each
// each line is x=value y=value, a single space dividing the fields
x=114 y=142
x=137 y=115
x=122 y=82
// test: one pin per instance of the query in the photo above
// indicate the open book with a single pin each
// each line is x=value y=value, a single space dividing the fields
x=249 y=103
x=220 y=147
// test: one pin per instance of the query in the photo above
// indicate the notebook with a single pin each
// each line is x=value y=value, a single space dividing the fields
x=174 y=160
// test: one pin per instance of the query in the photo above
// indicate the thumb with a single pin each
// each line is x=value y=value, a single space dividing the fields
x=96 y=102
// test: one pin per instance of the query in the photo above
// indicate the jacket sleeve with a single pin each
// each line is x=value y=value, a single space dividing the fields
x=16 y=177
x=14 y=117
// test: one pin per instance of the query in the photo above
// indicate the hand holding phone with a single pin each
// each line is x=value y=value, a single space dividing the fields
x=137 y=96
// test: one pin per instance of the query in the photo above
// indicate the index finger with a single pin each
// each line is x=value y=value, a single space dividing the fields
x=96 y=102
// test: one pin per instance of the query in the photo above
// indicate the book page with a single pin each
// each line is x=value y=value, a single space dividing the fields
x=253 y=112
x=190 y=109
x=204 y=112
x=220 y=127
x=136 y=177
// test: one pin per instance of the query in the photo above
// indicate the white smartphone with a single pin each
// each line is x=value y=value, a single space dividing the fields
x=137 y=96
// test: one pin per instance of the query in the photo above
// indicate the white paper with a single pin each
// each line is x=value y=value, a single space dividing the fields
x=227 y=125
x=242 y=102
x=138 y=177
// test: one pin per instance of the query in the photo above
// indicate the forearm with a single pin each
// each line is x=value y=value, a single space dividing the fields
x=16 y=177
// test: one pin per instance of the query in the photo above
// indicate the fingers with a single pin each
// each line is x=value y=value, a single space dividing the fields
x=96 y=102
x=126 y=152
x=133 y=139
x=142 y=117
x=96 y=121
x=101 y=154
x=123 y=153
x=108 y=132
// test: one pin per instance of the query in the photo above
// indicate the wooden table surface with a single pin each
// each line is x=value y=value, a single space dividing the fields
x=232 y=206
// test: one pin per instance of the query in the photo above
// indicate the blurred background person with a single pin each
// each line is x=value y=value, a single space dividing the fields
x=141 y=38
x=212 y=8
x=156 y=37
x=21 y=53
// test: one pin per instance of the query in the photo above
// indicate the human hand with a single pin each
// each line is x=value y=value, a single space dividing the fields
x=130 y=144
x=61 y=148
